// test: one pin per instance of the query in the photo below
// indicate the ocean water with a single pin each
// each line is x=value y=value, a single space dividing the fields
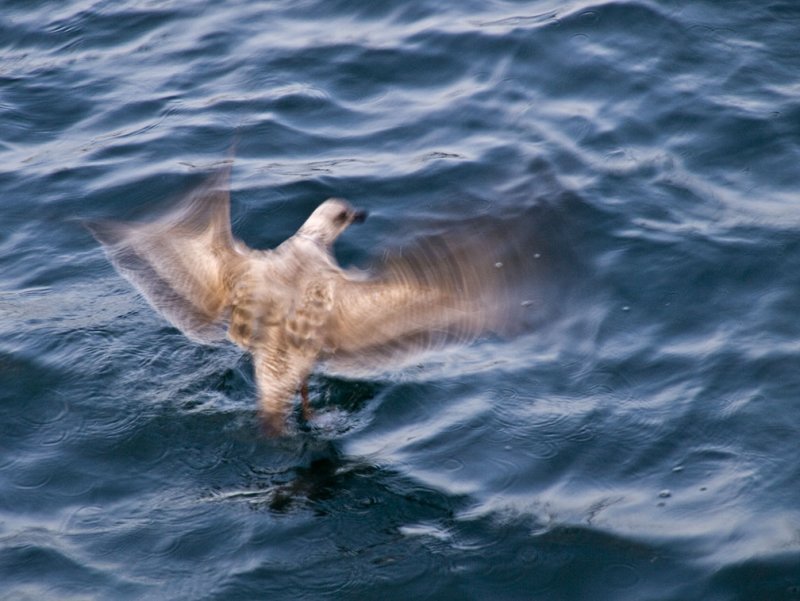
x=641 y=443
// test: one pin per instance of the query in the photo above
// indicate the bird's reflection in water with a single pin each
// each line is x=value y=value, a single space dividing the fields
x=307 y=467
x=316 y=482
x=318 y=475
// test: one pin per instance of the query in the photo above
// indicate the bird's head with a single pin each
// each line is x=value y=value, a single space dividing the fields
x=329 y=220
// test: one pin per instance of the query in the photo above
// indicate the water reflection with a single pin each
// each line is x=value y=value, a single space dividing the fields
x=323 y=473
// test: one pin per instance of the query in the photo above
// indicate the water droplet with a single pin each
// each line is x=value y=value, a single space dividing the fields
x=537 y=255
x=626 y=308
x=677 y=469
x=526 y=303
x=665 y=494
x=498 y=265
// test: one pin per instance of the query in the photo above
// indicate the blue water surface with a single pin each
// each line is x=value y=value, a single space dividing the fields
x=641 y=443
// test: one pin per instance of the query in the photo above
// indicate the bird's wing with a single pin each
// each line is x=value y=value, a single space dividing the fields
x=448 y=288
x=185 y=262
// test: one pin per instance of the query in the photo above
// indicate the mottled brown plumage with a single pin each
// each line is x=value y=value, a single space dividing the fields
x=294 y=306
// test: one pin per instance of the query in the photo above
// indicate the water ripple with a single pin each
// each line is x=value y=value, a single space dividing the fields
x=643 y=436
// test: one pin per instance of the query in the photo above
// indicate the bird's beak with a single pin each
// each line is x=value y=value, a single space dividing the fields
x=359 y=216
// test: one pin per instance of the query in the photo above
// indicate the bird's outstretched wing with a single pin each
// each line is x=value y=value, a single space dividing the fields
x=447 y=288
x=185 y=262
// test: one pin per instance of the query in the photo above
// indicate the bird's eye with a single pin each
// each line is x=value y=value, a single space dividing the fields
x=341 y=217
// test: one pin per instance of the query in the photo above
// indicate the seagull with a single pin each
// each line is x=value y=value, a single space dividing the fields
x=294 y=307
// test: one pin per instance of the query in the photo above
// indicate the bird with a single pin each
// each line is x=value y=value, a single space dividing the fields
x=293 y=307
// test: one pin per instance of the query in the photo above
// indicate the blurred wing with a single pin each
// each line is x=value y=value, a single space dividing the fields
x=445 y=289
x=183 y=263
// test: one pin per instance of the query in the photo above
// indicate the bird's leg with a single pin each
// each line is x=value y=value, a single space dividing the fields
x=307 y=411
